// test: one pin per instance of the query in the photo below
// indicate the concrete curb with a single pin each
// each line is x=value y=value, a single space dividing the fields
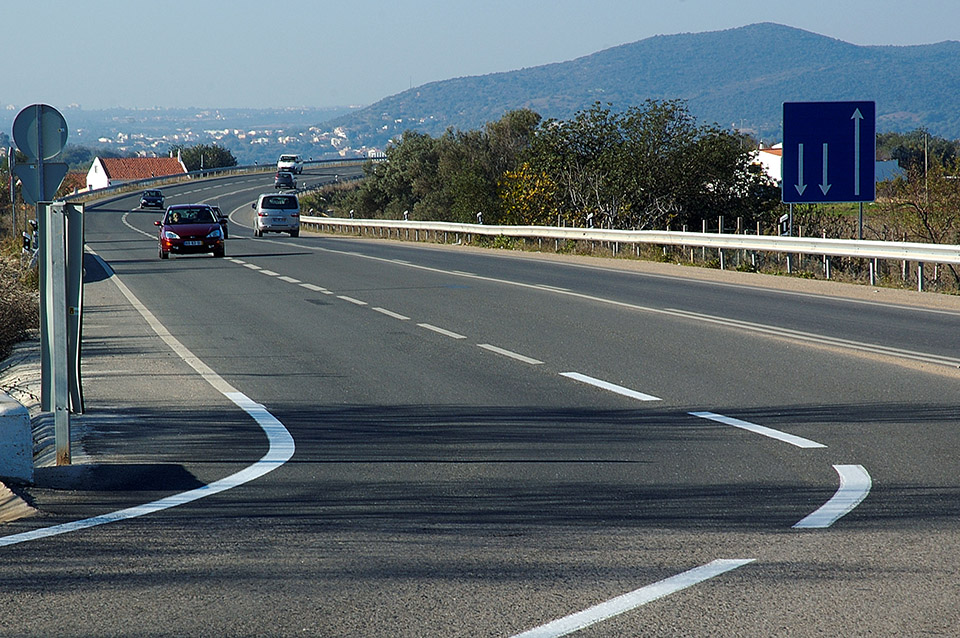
x=19 y=399
x=16 y=441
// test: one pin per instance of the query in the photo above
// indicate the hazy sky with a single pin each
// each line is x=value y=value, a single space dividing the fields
x=246 y=53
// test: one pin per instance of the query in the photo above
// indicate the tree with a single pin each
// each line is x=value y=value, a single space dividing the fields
x=916 y=148
x=203 y=156
x=926 y=203
x=647 y=166
x=529 y=197
x=450 y=178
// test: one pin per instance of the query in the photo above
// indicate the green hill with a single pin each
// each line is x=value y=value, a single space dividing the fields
x=737 y=78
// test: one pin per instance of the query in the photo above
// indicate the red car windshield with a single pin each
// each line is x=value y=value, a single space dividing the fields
x=189 y=216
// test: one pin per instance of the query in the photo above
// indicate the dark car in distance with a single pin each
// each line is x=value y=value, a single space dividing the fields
x=190 y=228
x=284 y=179
x=151 y=199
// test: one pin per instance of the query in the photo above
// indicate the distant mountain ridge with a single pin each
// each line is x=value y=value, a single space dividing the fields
x=737 y=78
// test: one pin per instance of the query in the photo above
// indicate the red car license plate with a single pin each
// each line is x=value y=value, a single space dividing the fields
x=193 y=242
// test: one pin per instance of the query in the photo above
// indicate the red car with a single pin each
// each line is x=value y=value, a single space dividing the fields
x=190 y=228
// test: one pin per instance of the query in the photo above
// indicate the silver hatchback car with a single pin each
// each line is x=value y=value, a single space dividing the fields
x=277 y=213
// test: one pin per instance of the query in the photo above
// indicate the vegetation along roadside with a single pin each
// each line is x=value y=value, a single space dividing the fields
x=650 y=167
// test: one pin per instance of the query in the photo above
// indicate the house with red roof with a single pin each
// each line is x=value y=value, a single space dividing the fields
x=110 y=171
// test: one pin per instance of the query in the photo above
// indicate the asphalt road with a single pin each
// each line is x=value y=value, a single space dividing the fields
x=487 y=444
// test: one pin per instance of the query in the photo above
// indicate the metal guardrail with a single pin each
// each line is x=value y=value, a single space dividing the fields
x=206 y=173
x=827 y=248
x=910 y=251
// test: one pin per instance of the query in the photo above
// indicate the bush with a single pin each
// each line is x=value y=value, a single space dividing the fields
x=19 y=301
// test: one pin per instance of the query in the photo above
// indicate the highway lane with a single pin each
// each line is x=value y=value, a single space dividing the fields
x=443 y=487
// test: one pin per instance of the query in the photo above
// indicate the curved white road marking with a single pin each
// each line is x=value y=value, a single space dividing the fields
x=855 y=484
x=759 y=429
x=281 y=442
x=634 y=599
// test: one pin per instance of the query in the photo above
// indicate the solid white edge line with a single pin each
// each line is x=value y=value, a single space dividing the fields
x=798 y=441
x=508 y=353
x=281 y=443
x=446 y=333
x=612 y=387
x=855 y=484
x=634 y=599
x=820 y=339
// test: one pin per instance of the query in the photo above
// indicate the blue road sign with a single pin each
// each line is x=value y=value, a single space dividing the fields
x=829 y=152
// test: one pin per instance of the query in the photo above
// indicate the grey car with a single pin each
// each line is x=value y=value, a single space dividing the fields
x=285 y=179
x=277 y=213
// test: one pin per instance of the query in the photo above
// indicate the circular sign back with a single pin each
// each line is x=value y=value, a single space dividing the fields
x=40 y=126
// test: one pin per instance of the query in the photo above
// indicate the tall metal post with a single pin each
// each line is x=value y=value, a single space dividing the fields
x=11 y=161
x=53 y=243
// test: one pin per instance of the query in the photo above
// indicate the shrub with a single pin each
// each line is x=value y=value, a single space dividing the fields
x=19 y=308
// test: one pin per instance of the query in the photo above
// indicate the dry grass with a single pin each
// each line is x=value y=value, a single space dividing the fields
x=19 y=299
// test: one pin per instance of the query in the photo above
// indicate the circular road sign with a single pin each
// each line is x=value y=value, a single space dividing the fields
x=40 y=126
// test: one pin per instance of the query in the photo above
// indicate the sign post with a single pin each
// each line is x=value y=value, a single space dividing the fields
x=40 y=133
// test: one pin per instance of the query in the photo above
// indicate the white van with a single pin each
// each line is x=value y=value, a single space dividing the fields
x=277 y=213
x=290 y=163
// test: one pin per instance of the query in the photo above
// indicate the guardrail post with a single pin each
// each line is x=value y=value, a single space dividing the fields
x=703 y=250
x=920 y=276
x=873 y=272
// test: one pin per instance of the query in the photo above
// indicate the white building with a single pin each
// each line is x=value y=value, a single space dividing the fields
x=110 y=171
x=771 y=159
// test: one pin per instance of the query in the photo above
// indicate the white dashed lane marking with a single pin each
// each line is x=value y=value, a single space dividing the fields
x=446 y=333
x=612 y=387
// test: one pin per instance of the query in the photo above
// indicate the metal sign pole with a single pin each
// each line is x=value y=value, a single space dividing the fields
x=11 y=162
x=74 y=289
x=57 y=321
x=46 y=341
x=40 y=133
